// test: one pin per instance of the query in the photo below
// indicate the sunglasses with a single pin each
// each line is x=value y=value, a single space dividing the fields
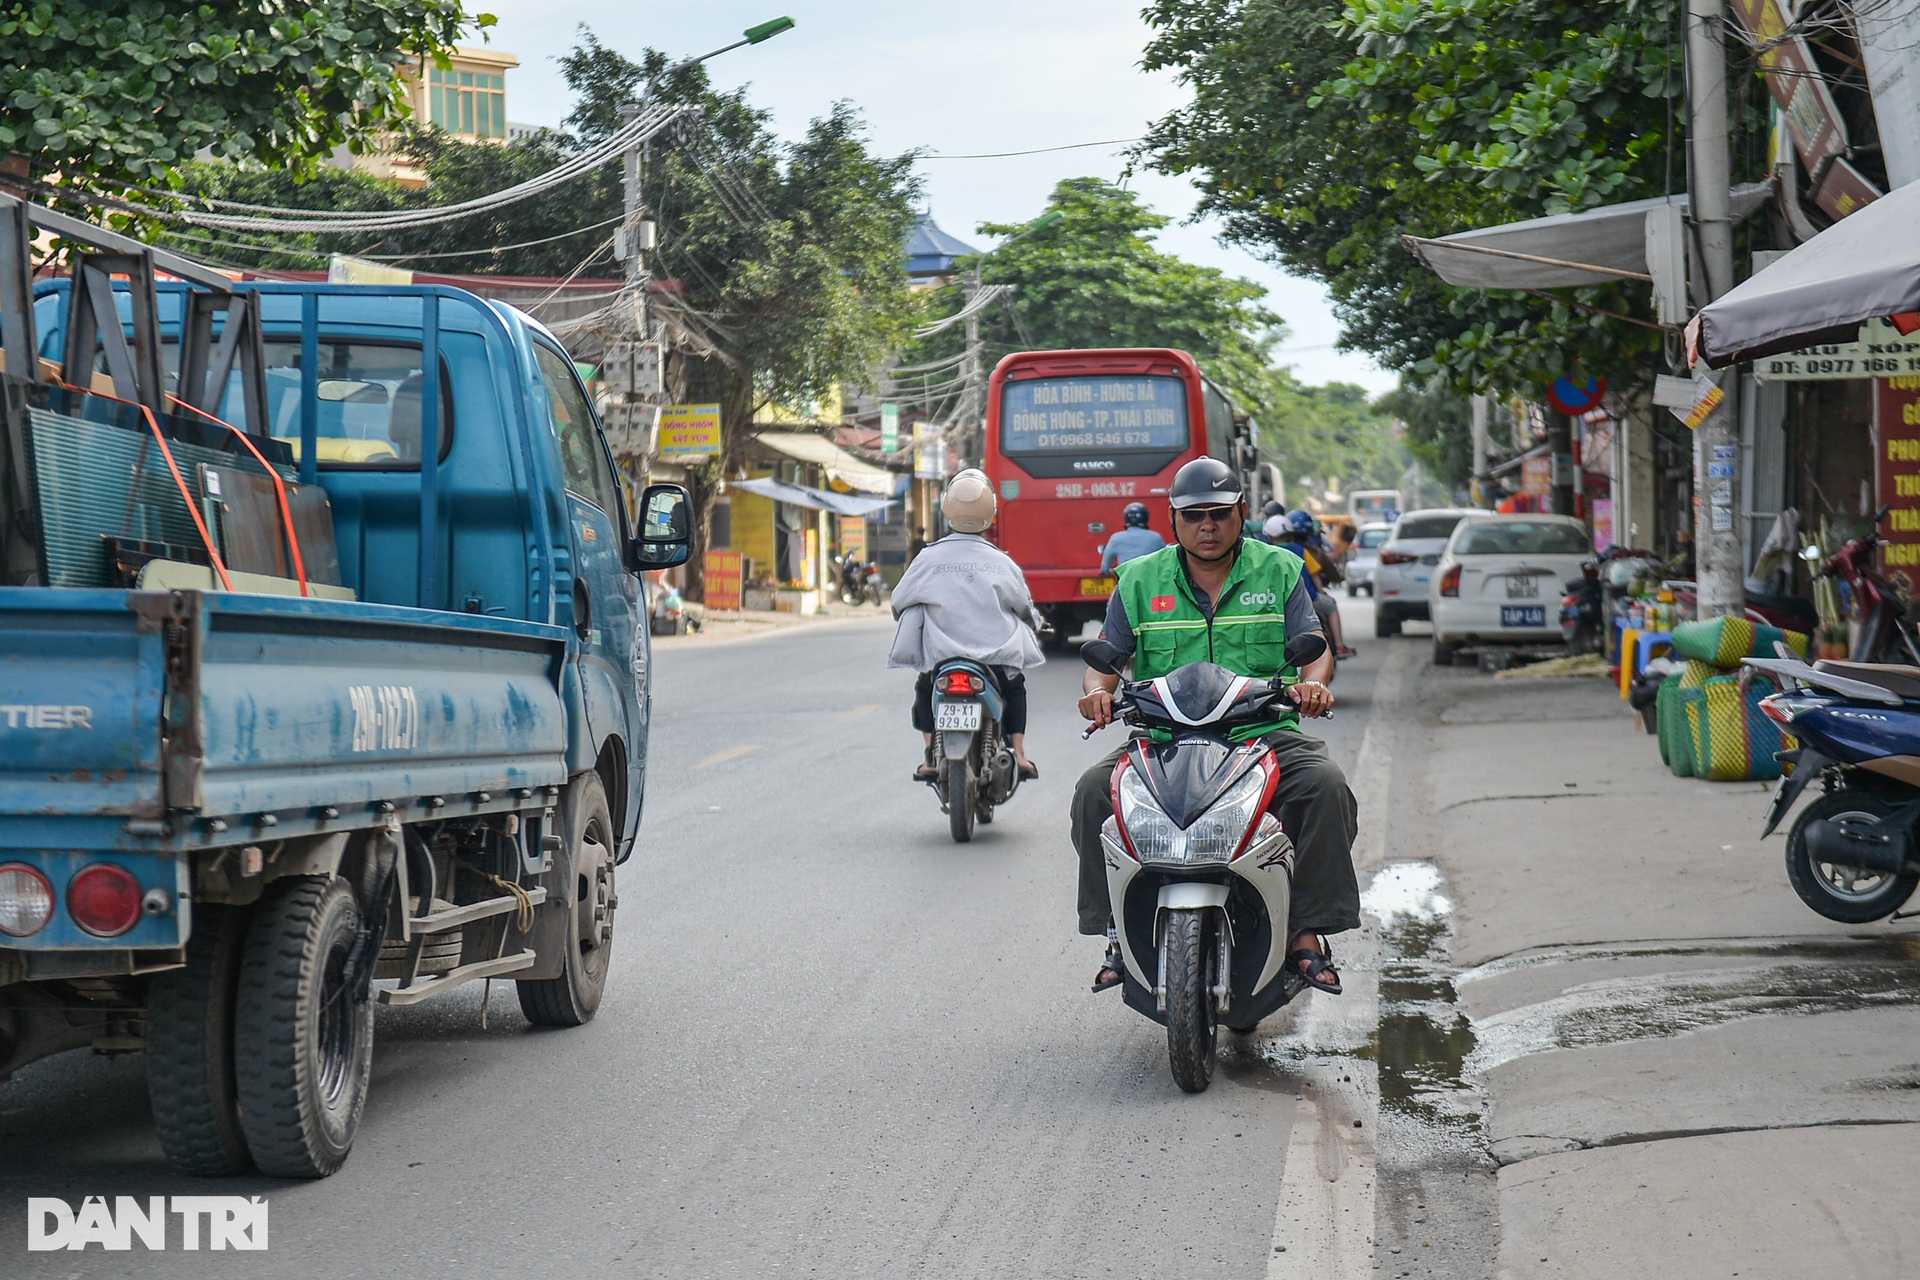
x=1201 y=515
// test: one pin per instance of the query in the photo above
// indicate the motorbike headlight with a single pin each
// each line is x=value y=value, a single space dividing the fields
x=1151 y=831
x=1215 y=834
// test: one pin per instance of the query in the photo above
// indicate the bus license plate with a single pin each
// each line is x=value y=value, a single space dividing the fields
x=1096 y=586
x=956 y=715
x=1524 y=615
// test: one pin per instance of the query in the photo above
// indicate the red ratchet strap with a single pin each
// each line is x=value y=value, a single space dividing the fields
x=279 y=489
x=186 y=495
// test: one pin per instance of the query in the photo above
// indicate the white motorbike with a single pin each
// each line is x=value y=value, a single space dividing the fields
x=1199 y=871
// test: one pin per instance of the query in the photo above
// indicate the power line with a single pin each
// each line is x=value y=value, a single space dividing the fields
x=471 y=253
x=1037 y=151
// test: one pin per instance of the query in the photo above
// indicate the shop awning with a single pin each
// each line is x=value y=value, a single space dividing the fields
x=1863 y=267
x=1594 y=246
x=838 y=463
x=800 y=495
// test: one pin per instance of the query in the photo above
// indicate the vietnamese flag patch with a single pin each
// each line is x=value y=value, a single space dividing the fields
x=1163 y=604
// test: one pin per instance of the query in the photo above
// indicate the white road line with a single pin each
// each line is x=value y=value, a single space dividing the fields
x=731 y=753
x=1323 y=1223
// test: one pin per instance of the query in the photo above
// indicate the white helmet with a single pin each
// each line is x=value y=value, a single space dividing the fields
x=968 y=504
x=1275 y=528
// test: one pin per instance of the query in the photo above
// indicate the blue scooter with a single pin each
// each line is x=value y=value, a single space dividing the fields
x=974 y=762
x=1851 y=852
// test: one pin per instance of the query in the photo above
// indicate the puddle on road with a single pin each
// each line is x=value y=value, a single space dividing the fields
x=1784 y=979
x=1424 y=1040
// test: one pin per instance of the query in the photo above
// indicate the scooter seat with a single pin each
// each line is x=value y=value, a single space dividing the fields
x=1904 y=681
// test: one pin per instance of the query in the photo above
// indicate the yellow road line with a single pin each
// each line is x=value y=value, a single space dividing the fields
x=854 y=713
x=731 y=753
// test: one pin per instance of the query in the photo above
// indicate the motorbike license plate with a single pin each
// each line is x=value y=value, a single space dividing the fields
x=956 y=715
x=1522 y=587
x=1096 y=586
x=1524 y=615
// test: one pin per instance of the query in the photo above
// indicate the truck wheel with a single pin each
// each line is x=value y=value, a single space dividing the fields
x=302 y=1045
x=961 y=799
x=190 y=1077
x=1385 y=625
x=1190 y=1027
x=572 y=999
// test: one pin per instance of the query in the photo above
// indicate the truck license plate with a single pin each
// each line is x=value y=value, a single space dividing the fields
x=1096 y=586
x=956 y=715
x=1522 y=586
x=1524 y=615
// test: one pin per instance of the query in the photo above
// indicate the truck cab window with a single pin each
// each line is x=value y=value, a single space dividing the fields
x=581 y=455
x=369 y=403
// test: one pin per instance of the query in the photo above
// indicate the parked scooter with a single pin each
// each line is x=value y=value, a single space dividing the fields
x=976 y=769
x=1884 y=633
x=859 y=580
x=1850 y=853
x=1200 y=873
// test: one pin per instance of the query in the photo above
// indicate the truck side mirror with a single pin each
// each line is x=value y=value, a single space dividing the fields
x=666 y=529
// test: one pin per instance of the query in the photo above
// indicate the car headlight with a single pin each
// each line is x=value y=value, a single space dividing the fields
x=1212 y=838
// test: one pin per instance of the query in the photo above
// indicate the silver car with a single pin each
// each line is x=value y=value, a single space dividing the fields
x=1365 y=555
x=1406 y=565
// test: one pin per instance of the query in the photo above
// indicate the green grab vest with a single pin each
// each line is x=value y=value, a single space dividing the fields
x=1248 y=633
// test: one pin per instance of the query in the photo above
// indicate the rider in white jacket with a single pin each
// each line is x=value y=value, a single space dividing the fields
x=963 y=597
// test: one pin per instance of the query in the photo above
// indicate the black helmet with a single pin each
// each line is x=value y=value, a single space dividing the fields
x=1135 y=515
x=1204 y=482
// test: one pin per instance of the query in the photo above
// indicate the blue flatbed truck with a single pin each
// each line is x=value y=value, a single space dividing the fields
x=323 y=679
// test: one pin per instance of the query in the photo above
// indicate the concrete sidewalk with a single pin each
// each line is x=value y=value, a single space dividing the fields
x=1687 y=1072
x=719 y=626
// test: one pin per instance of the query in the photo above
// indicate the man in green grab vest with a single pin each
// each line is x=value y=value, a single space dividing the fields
x=1213 y=596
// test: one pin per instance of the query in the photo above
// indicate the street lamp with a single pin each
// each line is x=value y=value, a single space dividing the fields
x=756 y=34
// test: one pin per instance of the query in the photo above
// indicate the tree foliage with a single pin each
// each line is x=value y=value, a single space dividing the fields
x=1095 y=279
x=128 y=92
x=1321 y=131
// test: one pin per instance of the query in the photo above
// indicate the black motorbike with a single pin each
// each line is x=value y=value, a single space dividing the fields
x=859 y=580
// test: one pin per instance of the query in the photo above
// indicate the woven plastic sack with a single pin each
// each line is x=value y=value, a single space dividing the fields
x=1731 y=740
x=1724 y=641
x=1677 y=691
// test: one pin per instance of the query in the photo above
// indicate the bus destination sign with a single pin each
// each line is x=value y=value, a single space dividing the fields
x=1093 y=415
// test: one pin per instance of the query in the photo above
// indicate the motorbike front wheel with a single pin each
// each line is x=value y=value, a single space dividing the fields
x=962 y=796
x=1191 y=1034
x=1851 y=895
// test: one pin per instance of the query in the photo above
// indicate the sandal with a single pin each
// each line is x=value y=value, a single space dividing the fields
x=926 y=772
x=1029 y=771
x=1110 y=974
x=1317 y=962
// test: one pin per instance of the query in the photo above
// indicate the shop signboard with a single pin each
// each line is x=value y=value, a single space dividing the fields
x=1896 y=465
x=1892 y=56
x=1881 y=352
x=1845 y=190
x=929 y=452
x=1813 y=120
x=690 y=431
x=723 y=579
x=853 y=537
x=1536 y=475
x=1602 y=523
x=889 y=428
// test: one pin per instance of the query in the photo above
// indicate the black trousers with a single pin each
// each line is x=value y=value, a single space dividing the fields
x=1013 y=687
x=1313 y=803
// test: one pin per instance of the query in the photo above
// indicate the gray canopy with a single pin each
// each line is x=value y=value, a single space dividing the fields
x=1863 y=267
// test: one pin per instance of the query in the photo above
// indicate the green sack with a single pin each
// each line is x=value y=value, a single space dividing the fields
x=1731 y=740
x=1670 y=715
x=1724 y=641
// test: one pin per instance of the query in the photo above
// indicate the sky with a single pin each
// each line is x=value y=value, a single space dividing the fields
x=986 y=76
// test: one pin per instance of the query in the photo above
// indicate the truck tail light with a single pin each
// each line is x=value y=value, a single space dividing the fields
x=960 y=682
x=104 y=899
x=1450 y=581
x=1397 y=557
x=26 y=900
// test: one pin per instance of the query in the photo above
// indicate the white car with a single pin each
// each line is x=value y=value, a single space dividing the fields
x=1501 y=579
x=1406 y=562
x=1365 y=555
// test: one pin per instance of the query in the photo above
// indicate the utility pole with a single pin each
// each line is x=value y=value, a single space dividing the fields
x=1716 y=442
x=974 y=451
x=1560 y=453
x=1482 y=408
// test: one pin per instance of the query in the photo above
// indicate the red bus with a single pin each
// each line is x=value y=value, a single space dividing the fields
x=1073 y=437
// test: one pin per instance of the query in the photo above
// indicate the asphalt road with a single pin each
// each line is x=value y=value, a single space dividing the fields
x=835 y=1043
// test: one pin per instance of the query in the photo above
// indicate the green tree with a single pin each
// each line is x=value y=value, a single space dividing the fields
x=780 y=263
x=109 y=93
x=1438 y=426
x=1321 y=131
x=1330 y=432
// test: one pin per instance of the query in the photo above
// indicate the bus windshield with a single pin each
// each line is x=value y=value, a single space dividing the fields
x=1092 y=415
